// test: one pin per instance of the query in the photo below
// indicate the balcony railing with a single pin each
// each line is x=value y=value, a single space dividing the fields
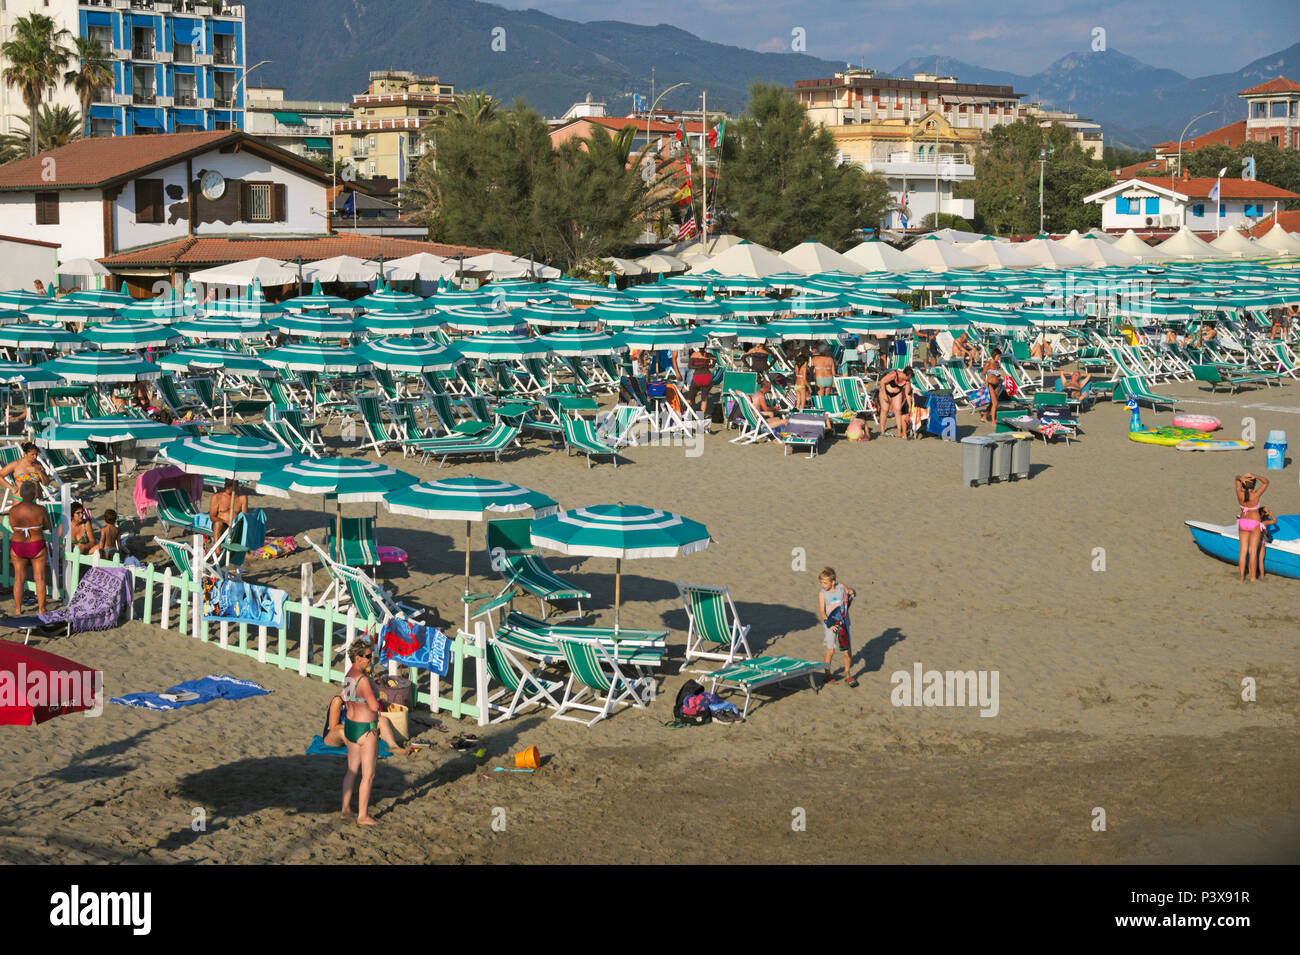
x=224 y=102
x=143 y=99
x=142 y=51
x=223 y=57
x=183 y=53
x=186 y=99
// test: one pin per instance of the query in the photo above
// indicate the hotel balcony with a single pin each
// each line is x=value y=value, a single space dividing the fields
x=144 y=99
x=186 y=99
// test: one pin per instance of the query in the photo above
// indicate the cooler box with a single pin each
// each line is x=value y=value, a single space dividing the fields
x=976 y=460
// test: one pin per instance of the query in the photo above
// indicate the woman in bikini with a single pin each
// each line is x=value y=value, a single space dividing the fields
x=82 y=533
x=895 y=397
x=27 y=468
x=29 y=521
x=333 y=733
x=800 y=380
x=360 y=731
x=823 y=371
x=993 y=378
x=1250 y=488
x=701 y=365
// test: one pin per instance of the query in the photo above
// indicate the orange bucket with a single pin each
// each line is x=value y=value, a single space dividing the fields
x=528 y=759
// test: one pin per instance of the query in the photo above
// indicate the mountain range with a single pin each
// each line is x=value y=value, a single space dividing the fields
x=553 y=63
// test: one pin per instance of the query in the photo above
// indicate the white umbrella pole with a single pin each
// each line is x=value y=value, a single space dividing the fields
x=618 y=579
x=466 y=600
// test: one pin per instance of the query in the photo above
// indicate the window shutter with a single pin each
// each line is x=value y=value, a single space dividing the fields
x=279 y=203
x=244 y=203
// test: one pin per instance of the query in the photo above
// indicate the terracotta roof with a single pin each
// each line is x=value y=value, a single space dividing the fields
x=1278 y=84
x=218 y=250
x=1137 y=169
x=616 y=123
x=1234 y=134
x=1233 y=188
x=1290 y=222
x=18 y=238
x=103 y=160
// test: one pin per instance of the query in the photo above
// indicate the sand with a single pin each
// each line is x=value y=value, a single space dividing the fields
x=1119 y=689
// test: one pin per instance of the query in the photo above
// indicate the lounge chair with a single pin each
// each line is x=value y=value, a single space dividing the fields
x=597 y=683
x=377 y=437
x=760 y=672
x=1279 y=356
x=713 y=620
x=356 y=545
x=104 y=599
x=175 y=509
x=1215 y=376
x=492 y=443
x=1136 y=388
x=580 y=435
x=642 y=648
x=617 y=427
x=514 y=556
x=349 y=584
x=755 y=428
x=524 y=686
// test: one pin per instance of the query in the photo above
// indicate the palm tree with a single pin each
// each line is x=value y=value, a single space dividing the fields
x=55 y=127
x=36 y=57
x=94 y=71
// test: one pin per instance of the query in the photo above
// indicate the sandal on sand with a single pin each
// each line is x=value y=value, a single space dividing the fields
x=852 y=683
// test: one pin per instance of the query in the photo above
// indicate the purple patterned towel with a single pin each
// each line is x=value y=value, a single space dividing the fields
x=102 y=596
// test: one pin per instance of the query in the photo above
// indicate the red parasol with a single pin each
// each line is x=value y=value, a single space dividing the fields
x=36 y=686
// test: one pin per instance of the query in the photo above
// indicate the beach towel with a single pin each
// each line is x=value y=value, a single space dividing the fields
x=239 y=602
x=147 y=484
x=250 y=534
x=415 y=645
x=317 y=747
x=216 y=687
x=103 y=595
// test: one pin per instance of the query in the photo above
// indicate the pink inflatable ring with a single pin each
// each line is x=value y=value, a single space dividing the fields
x=1197 y=422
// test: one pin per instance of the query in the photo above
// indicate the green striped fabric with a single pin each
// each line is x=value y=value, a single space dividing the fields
x=584 y=662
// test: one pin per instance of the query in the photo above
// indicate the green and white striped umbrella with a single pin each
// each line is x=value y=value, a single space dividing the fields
x=455 y=298
x=754 y=306
x=996 y=320
x=317 y=325
x=519 y=294
x=100 y=367
x=408 y=354
x=319 y=358
x=386 y=298
x=576 y=343
x=103 y=296
x=230 y=362
x=874 y=325
x=127 y=335
x=478 y=320
x=21 y=299
x=694 y=309
x=63 y=310
x=696 y=282
x=556 y=316
x=245 y=306
x=39 y=335
x=800 y=328
x=467 y=499
x=346 y=480
x=740 y=283
x=224 y=328
x=654 y=293
x=230 y=456
x=986 y=298
x=738 y=329
x=9 y=316
x=580 y=290
x=935 y=320
x=399 y=321
x=874 y=302
x=501 y=346
x=112 y=429
x=1155 y=308
x=670 y=337
x=816 y=304
x=627 y=314
x=162 y=311
x=621 y=531
x=785 y=281
x=29 y=376
x=1051 y=316
x=318 y=301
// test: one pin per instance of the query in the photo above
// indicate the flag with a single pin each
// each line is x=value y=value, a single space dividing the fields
x=349 y=204
x=708 y=220
x=401 y=159
x=680 y=134
x=686 y=229
x=684 y=194
x=1214 y=193
x=715 y=134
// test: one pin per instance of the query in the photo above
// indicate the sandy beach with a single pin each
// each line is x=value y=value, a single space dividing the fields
x=1119 y=688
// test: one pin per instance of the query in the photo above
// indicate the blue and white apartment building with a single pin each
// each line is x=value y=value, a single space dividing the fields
x=178 y=65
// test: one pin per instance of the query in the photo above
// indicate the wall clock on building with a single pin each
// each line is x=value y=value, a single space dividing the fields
x=213 y=185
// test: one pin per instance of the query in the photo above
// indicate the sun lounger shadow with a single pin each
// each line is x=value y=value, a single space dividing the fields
x=871 y=657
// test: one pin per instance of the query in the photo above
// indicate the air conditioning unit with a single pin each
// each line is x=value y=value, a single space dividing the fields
x=121 y=53
x=202 y=59
x=162 y=56
x=1171 y=219
x=1151 y=220
x=206 y=102
x=121 y=99
x=121 y=4
x=163 y=101
x=163 y=6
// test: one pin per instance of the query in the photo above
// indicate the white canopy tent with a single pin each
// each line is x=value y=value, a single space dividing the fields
x=261 y=269
x=715 y=245
x=1277 y=239
x=1052 y=254
x=1001 y=255
x=1130 y=243
x=877 y=256
x=502 y=266
x=748 y=259
x=938 y=255
x=1184 y=244
x=659 y=263
x=812 y=257
x=340 y=268
x=1233 y=242
x=1101 y=253
x=421 y=266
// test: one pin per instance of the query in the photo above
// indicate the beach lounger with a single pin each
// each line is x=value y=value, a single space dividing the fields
x=597 y=683
x=175 y=509
x=760 y=672
x=377 y=436
x=514 y=556
x=525 y=687
x=755 y=428
x=580 y=435
x=356 y=544
x=618 y=426
x=713 y=620
x=104 y=599
x=1136 y=388
x=350 y=584
x=492 y=443
x=1215 y=376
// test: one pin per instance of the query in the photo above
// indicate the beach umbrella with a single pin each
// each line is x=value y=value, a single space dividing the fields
x=29 y=376
x=67 y=687
x=414 y=355
x=476 y=319
x=458 y=298
x=694 y=309
x=697 y=282
x=38 y=335
x=64 y=310
x=786 y=281
x=880 y=256
x=121 y=431
x=662 y=337
x=265 y=271
x=342 y=480
x=223 y=328
x=225 y=360
x=99 y=368
x=577 y=343
x=738 y=329
x=106 y=297
x=420 y=267
x=888 y=284
x=580 y=290
x=657 y=292
x=313 y=357
x=317 y=325
x=556 y=316
x=754 y=306
x=816 y=304
x=502 y=266
x=743 y=284
x=995 y=320
x=467 y=499
x=1051 y=316
x=386 y=298
x=812 y=256
x=318 y=301
x=341 y=268
x=21 y=298
x=986 y=298
x=939 y=256
x=501 y=346
x=876 y=326
x=935 y=320
x=801 y=328
x=161 y=311
x=228 y=456
x=131 y=335
x=399 y=321
x=874 y=302
x=514 y=294
x=626 y=314
x=659 y=263
x=621 y=531
x=1155 y=308
x=750 y=259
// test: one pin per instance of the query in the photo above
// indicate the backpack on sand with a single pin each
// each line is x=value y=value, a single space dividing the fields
x=689 y=708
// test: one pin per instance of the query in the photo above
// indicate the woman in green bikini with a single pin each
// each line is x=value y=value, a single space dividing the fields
x=360 y=730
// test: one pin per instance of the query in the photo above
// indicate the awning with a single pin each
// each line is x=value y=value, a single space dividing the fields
x=188 y=117
x=288 y=119
x=316 y=142
x=147 y=121
x=962 y=100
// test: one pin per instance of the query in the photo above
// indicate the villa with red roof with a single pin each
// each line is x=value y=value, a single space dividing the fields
x=1163 y=203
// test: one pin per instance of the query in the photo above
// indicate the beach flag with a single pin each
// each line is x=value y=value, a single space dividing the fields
x=686 y=230
x=680 y=134
x=715 y=134
x=1214 y=193
x=684 y=194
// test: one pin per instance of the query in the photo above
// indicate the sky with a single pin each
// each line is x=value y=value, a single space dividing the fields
x=1194 y=37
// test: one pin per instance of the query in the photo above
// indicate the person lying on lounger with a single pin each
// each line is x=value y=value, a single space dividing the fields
x=1073 y=383
x=964 y=348
x=770 y=414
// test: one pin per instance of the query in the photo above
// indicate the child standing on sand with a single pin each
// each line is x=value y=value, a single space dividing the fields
x=833 y=607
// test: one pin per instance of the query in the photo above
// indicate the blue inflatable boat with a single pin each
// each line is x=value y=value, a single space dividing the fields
x=1281 y=549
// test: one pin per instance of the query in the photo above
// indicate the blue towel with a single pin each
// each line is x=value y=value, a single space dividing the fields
x=317 y=747
x=208 y=689
x=433 y=652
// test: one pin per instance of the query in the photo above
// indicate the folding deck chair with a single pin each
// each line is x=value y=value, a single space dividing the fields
x=513 y=555
x=597 y=683
x=377 y=438
x=580 y=435
x=356 y=545
x=351 y=585
x=175 y=509
x=493 y=443
x=713 y=619
x=523 y=685
x=756 y=428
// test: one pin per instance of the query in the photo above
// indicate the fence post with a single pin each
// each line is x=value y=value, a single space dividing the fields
x=304 y=622
x=200 y=631
x=166 y=597
x=59 y=576
x=480 y=671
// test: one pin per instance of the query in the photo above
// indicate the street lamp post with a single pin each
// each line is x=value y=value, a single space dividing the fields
x=1042 y=165
x=234 y=90
x=1178 y=170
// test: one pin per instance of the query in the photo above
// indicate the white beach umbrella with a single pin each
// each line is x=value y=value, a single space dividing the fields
x=748 y=259
x=421 y=266
x=1277 y=239
x=264 y=270
x=1233 y=242
x=1129 y=242
x=1185 y=244
x=1052 y=254
x=999 y=255
x=661 y=264
x=503 y=266
x=340 y=268
x=812 y=257
x=82 y=267
x=877 y=256
x=940 y=256
x=1101 y=253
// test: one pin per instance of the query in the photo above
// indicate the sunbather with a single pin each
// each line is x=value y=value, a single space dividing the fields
x=81 y=534
x=360 y=730
x=226 y=505
x=822 y=367
x=1249 y=488
x=29 y=522
x=800 y=380
x=1041 y=348
x=26 y=468
x=964 y=348
x=701 y=365
x=1073 y=383
x=993 y=378
x=770 y=414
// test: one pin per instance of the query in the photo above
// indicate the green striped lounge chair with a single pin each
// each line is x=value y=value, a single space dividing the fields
x=597 y=684
x=355 y=545
x=853 y=395
x=352 y=585
x=580 y=435
x=639 y=648
x=492 y=443
x=1277 y=355
x=239 y=404
x=1131 y=386
x=377 y=436
x=175 y=509
x=284 y=432
x=1214 y=376
x=618 y=426
x=760 y=672
x=713 y=620
x=515 y=558
x=755 y=428
x=523 y=686
x=445 y=412
x=171 y=397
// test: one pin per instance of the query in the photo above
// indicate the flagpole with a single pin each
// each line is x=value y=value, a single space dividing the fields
x=704 y=167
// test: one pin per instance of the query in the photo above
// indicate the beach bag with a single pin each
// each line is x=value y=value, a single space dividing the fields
x=690 y=706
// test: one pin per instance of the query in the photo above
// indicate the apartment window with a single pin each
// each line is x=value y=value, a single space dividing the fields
x=1257 y=110
x=372 y=167
x=47 y=208
x=372 y=142
x=183 y=52
x=1279 y=109
x=1223 y=208
x=1122 y=207
x=262 y=202
x=1254 y=210
x=149 y=201
x=1152 y=206
x=1198 y=210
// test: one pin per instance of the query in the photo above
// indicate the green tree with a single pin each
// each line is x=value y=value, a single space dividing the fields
x=780 y=181
x=92 y=72
x=55 y=127
x=36 y=57
x=945 y=220
x=1273 y=165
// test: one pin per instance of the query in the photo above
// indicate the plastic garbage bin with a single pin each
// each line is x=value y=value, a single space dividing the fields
x=976 y=460
x=1275 y=451
x=1020 y=455
x=1000 y=465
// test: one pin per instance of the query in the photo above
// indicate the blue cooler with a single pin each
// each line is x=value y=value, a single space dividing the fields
x=1275 y=451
